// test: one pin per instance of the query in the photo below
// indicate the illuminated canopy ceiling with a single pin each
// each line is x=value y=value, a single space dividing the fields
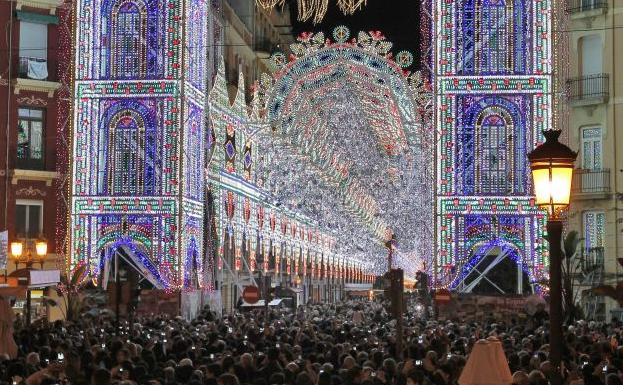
x=348 y=147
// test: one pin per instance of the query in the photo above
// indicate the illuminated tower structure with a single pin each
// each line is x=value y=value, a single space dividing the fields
x=139 y=137
x=493 y=87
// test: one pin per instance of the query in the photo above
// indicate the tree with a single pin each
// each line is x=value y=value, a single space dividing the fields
x=572 y=265
x=69 y=291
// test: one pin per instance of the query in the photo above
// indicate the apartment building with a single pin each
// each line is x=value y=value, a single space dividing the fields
x=252 y=35
x=595 y=123
x=32 y=69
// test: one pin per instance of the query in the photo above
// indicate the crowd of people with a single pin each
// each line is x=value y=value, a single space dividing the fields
x=347 y=343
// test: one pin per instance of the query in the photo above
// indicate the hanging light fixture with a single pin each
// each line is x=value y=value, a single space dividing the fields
x=315 y=9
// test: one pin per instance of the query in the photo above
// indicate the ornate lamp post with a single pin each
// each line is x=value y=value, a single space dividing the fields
x=28 y=258
x=552 y=171
x=27 y=254
x=391 y=246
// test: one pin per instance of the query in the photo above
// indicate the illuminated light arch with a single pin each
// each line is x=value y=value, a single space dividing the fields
x=137 y=251
x=388 y=104
x=478 y=252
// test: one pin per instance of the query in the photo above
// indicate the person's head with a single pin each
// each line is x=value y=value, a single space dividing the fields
x=246 y=360
x=303 y=378
x=277 y=379
x=227 y=379
x=537 y=378
x=389 y=366
x=353 y=375
x=169 y=374
x=100 y=376
x=520 y=378
x=33 y=359
x=415 y=377
x=348 y=362
x=122 y=355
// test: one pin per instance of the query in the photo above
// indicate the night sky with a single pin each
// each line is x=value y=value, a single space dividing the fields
x=397 y=19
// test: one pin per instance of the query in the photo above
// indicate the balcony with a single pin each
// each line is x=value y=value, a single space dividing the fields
x=36 y=74
x=586 y=8
x=588 y=90
x=591 y=184
x=27 y=163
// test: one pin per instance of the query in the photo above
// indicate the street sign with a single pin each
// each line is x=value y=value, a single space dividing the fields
x=251 y=294
x=443 y=296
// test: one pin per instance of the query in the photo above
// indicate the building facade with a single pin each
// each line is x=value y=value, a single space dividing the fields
x=139 y=137
x=31 y=112
x=492 y=72
x=34 y=86
x=253 y=34
x=594 y=122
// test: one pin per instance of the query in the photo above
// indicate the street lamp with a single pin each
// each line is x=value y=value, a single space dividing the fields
x=17 y=249
x=28 y=258
x=552 y=171
x=391 y=246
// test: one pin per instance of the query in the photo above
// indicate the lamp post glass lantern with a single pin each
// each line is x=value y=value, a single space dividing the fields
x=552 y=170
x=552 y=166
x=17 y=248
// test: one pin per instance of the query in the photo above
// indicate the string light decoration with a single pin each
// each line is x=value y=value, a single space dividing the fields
x=138 y=137
x=347 y=145
x=494 y=87
x=65 y=67
x=315 y=9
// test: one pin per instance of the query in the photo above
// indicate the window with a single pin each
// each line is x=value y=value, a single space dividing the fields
x=33 y=50
x=591 y=148
x=594 y=229
x=494 y=153
x=590 y=48
x=129 y=40
x=28 y=218
x=127 y=137
x=33 y=40
x=495 y=45
x=30 y=138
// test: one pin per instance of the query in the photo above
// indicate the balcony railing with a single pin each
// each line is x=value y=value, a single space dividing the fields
x=575 y=6
x=591 y=181
x=36 y=69
x=588 y=88
x=29 y=164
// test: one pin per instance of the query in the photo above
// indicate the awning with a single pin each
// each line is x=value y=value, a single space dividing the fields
x=44 y=278
x=260 y=303
x=39 y=18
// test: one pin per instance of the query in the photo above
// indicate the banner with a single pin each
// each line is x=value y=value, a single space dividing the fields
x=474 y=307
x=4 y=249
